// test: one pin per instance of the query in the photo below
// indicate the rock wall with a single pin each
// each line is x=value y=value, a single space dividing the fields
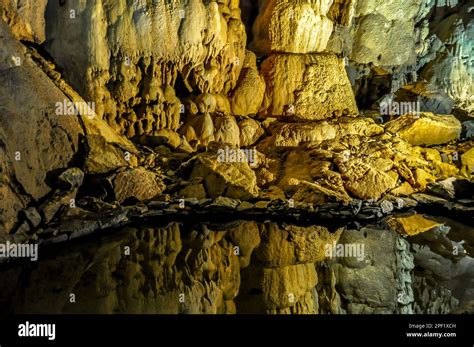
x=30 y=130
x=36 y=141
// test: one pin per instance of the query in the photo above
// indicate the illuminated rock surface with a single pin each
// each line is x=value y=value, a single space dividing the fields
x=426 y=129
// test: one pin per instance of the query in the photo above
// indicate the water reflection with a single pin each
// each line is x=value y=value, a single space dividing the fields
x=240 y=267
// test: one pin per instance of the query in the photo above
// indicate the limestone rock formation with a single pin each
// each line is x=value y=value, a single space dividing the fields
x=296 y=134
x=222 y=178
x=126 y=71
x=292 y=27
x=246 y=267
x=203 y=129
x=352 y=284
x=384 y=32
x=137 y=183
x=26 y=18
x=250 y=132
x=369 y=179
x=426 y=129
x=101 y=156
x=248 y=95
x=312 y=87
x=415 y=41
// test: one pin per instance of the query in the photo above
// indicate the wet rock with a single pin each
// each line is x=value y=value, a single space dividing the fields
x=368 y=284
x=317 y=194
x=432 y=299
x=429 y=199
x=292 y=245
x=283 y=287
x=247 y=237
x=446 y=188
x=245 y=206
x=51 y=207
x=221 y=201
x=386 y=206
x=405 y=264
x=262 y=204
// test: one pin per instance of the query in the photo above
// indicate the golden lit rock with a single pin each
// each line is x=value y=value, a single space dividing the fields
x=468 y=162
x=412 y=225
x=426 y=129
x=248 y=95
x=292 y=27
x=137 y=183
x=226 y=178
x=250 y=132
x=310 y=87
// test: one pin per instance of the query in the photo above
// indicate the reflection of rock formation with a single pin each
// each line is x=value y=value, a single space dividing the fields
x=242 y=267
x=173 y=269
x=378 y=284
